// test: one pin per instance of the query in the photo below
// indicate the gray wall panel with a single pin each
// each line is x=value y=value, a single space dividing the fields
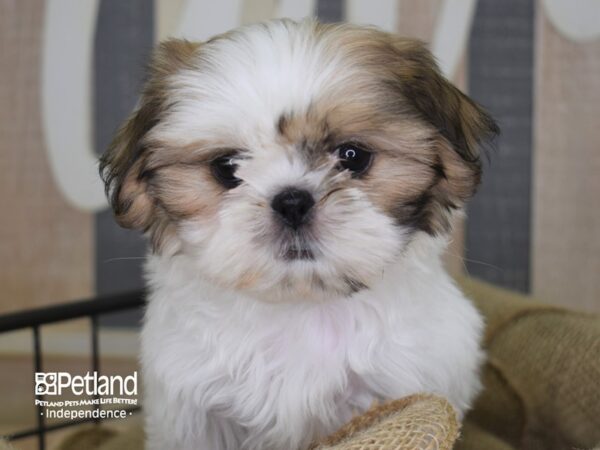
x=331 y=10
x=501 y=78
x=124 y=38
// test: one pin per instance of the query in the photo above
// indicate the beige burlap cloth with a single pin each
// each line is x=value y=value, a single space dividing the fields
x=418 y=422
x=542 y=378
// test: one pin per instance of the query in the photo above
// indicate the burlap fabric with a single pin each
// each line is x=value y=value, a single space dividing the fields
x=5 y=445
x=419 y=422
x=542 y=379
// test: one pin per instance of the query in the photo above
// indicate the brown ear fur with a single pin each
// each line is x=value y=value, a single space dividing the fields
x=463 y=127
x=459 y=119
x=122 y=165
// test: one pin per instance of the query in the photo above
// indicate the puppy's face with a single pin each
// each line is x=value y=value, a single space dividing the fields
x=293 y=159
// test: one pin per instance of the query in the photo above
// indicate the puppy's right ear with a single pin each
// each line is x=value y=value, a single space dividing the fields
x=123 y=164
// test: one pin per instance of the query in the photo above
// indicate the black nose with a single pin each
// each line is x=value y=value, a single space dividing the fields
x=292 y=206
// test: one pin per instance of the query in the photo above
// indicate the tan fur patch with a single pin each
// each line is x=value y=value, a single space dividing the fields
x=135 y=206
x=185 y=190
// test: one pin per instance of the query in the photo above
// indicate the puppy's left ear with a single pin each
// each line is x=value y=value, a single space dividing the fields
x=461 y=128
x=463 y=123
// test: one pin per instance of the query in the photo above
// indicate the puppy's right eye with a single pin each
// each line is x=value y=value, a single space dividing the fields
x=354 y=158
x=223 y=169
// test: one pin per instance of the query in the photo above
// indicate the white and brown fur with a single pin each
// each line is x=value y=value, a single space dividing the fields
x=244 y=347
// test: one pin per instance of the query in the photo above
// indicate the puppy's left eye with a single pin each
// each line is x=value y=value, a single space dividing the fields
x=354 y=158
x=223 y=169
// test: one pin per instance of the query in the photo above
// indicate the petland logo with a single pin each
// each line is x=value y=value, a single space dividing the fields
x=53 y=383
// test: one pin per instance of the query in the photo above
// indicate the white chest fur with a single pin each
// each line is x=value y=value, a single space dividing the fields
x=224 y=372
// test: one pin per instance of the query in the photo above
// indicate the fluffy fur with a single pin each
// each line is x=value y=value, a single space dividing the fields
x=243 y=346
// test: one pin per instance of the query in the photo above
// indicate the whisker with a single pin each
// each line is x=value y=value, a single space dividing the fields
x=328 y=194
x=126 y=258
x=474 y=261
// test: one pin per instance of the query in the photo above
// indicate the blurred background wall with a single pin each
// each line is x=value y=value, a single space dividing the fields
x=70 y=72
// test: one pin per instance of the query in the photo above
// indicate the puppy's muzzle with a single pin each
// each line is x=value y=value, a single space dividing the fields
x=293 y=206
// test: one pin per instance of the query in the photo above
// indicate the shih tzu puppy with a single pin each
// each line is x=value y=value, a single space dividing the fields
x=297 y=182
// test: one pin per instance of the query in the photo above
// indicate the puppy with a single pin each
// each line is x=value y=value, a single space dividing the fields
x=297 y=182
